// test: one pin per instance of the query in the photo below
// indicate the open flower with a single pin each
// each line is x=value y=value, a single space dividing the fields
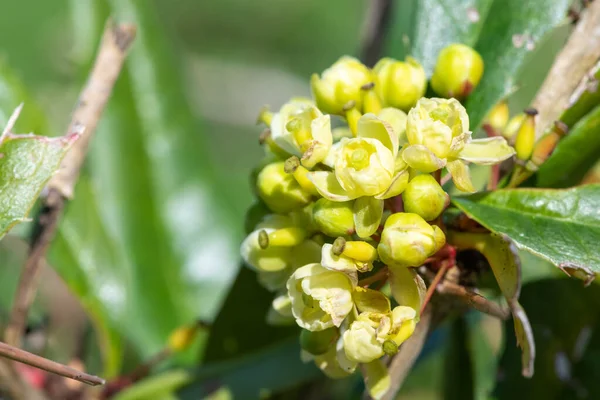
x=302 y=130
x=438 y=135
x=320 y=298
x=365 y=169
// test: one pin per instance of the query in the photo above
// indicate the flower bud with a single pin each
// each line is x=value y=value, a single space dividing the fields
x=400 y=84
x=457 y=71
x=320 y=298
x=340 y=84
x=334 y=218
x=181 y=338
x=292 y=166
x=279 y=190
x=360 y=342
x=407 y=240
x=424 y=196
x=546 y=144
x=525 y=139
x=498 y=117
x=513 y=126
x=319 y=342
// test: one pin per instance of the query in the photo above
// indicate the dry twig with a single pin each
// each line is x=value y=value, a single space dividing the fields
x=579 y=55
x=93 y=98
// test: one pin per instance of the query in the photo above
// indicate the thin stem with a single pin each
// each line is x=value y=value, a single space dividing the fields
x=436 y=280
x=25 y=357
x=474 y=299
x=377 y=276
x=92 y=101
x=494 y=177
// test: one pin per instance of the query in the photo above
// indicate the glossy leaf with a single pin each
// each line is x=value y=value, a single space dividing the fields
x=26 y=164
x=574 y=155
x=267 y=372
x=561 y=226
x=513 y=28
x=565 y=319
x=241 y=327
x=143 y=243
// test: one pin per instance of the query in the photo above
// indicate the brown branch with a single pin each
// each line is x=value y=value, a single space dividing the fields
x=93 y=98
x=474 y=299
x=407 y=355
x=25 y=357
x=376 y=26
x=579 y=55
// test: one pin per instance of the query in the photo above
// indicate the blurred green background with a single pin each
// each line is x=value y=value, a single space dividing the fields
x=151 y=240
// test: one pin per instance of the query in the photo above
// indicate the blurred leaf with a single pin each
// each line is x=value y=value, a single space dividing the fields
x=26 y=164
x=512 y=29
x=240 y=327
x=158 y=387
x=561 y=226
x=258 y=376
x=574 y=155
x=458 y=366
x=565 y=319
x=145 y=243
x=438 y=23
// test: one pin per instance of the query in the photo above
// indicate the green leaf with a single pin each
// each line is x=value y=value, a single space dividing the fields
x=145 y=244
x=240 y=327
x=458 y=365
x=566 y=321
x=561 y=226
x=258 y=376
x=27 y=163
x=574 y=155
x=512 y=27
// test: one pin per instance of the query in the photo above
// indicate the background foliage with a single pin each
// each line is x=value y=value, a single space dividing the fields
x=151 y=241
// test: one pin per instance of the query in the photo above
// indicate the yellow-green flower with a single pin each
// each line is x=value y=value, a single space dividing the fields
x=407 y=240
x=438 y=135
x=320 y=298
x=360 y=341
x=340 y=85
x=457 y=71
x=302 y=130
x=400 y=84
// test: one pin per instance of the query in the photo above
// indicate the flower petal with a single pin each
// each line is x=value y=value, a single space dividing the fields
x=408 y=288
x=337 y=263
x=367 y=215
x=487 y=151
x=369 y=126
x=399 y=183
x=322 y=140
x=422 y=159
x=328 y=186
x=461 y=176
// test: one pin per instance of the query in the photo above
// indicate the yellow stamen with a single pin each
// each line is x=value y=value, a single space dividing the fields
x=287 y=237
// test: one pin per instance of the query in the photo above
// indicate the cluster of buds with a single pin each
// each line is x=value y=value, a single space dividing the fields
x=351 y=191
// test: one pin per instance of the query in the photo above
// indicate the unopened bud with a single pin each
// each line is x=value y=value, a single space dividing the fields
x=183 y=337
x=317 y=343
x=457 y=71
x=498 y=117
x=280 y=190
x=390 y=347
x=400 y=84
x=525 y=139
x=265 y=116
x=511 y=129
x=340 y=84
x=352 y=117
x=424 y=196
x=407 y=240
x=546 y=144
x=334 y=218
x=371 y=101
x=360 y=251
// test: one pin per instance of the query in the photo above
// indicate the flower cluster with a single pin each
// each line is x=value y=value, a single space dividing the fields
x=351 y=194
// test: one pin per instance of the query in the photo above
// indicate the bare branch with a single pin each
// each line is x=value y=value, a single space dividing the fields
x=579 y=55
x=474 y=299
x=93 y=98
